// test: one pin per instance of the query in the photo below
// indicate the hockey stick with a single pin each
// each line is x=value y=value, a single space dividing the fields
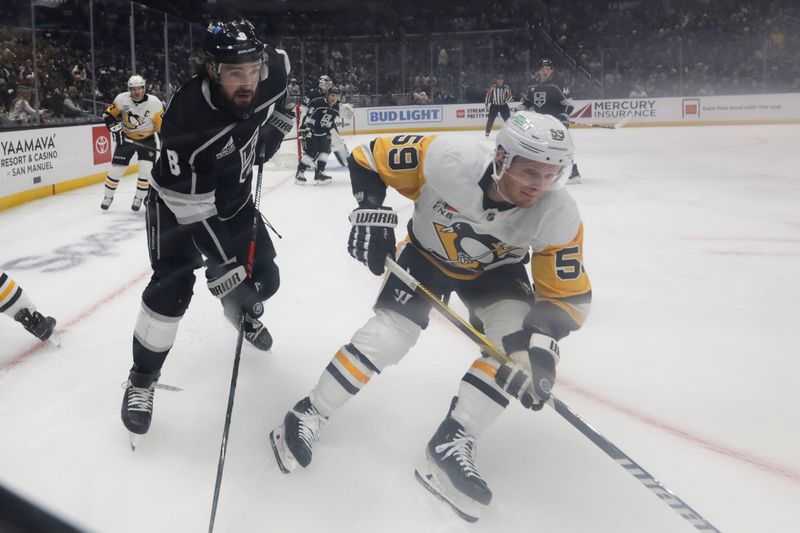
x=620 y=457
x=237 y=356
x=614 y=126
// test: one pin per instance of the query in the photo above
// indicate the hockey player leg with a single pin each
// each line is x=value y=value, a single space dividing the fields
x=142 y=184
x=320 y=178
x=305 y=163
x=382 y=341
x=15 y=303
x=112 y=181
x=575 y=176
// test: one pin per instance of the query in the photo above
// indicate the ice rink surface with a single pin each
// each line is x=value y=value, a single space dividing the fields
x=689 y=362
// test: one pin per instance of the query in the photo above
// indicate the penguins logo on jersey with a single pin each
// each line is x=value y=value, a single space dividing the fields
x=133 y=119
x=467 y=249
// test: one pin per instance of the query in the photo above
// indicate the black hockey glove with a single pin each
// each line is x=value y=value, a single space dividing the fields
x=531 y=374
x=231 y=285
x=116 y=133
x=372 y=236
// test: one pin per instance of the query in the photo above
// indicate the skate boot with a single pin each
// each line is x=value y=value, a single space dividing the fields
x=300 y=178
x=41 y=327
x=137 y=403
x=257 y=334
x=292 y=442
x=449 y=471
x=321 y=179
x=137 y=203
x=106 y=202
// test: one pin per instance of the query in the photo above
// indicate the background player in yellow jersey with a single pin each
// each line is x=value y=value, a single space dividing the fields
x=16 y=304
x=479 y=217
x=133 y=118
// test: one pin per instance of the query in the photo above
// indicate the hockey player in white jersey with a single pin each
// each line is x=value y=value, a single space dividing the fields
x=133 y=118
x=479 y=218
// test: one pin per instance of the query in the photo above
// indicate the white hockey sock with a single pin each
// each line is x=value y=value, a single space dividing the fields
x=480 y=400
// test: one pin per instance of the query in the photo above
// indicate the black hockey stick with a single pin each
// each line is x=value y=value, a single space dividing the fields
x=620 y=457
x=237 y=355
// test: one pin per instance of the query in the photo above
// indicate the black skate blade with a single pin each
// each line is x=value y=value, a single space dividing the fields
x=284 y=458
x=428 y=480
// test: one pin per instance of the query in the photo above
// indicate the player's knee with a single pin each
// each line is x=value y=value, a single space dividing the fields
x=502 y=318
x=386 y=338
x=170 y=289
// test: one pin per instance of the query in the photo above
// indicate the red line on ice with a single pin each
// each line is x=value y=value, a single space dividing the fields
x=762 y=464
x=86 y=313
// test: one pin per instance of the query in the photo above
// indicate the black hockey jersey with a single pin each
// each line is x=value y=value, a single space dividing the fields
x=205 y=172
x=550 y=97
x=320 y=118
x=313 y=94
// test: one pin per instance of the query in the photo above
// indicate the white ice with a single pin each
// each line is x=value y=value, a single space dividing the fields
x=689 y=362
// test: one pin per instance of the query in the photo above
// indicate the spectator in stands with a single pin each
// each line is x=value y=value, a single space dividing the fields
x=420 y=96
x=21 y=110
x=638 y=90
x=72 y=103
x=6 y=95
x=293 y=91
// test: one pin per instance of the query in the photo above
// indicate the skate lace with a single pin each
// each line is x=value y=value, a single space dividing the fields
x=311 y=423
x=140 y=399
x=462 y=448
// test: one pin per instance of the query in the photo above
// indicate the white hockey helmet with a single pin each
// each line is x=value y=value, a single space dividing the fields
x=135 y=81
x=537 y=137
x=325 y=82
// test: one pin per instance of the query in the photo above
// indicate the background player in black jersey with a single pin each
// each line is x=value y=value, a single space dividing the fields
x=325 y=84
x=316 y=129
x=550 y=95
x=218 y=124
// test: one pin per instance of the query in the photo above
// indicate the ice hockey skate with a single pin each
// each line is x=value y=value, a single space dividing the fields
x=322 y=179
x=257 y=334
x=449 y=471
x=41 y=327
x=106 y=202
x=137 y=404
x=300 y=178
x=137 y=203
x=575 y=176
x=293 y=441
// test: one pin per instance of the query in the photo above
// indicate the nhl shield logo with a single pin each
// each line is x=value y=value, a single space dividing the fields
x=539 y=99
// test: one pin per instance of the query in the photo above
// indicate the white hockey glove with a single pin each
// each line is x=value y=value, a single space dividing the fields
x=531 y=374
x=347 y=111
x=372 y=236
x=116 y=133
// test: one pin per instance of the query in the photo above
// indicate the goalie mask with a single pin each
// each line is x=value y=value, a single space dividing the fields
x=536 y=137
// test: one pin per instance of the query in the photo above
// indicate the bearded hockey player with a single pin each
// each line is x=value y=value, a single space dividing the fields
x=479 y=218
x=228 y=116
x=550 y=95
x=15 y=303
x=133 y=118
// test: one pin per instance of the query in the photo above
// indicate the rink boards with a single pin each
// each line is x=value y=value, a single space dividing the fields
x=40 y=162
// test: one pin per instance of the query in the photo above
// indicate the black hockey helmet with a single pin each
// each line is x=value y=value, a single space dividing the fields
x=545 y=62
x=233 y=42
x=334 y=90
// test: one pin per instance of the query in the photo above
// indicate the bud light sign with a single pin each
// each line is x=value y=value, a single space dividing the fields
x=401 y=115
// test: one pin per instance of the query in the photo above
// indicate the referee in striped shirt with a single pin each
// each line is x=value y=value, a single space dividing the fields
x=497 y=98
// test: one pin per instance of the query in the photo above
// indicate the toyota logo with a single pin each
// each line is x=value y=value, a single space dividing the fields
x=101 y=145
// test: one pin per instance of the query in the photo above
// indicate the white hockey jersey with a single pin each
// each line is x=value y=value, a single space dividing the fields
x=139 y=119
x=463 y=233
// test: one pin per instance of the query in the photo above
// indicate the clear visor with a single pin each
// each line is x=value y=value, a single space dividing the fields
x=239 y=73
x=537 y=174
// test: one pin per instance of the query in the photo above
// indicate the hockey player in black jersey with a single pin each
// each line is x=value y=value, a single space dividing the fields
x=200 y=210
x=325 y=84
x=549 y=95
x=316 y=129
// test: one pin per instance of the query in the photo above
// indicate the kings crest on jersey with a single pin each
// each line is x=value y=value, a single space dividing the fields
x=461 y=230
x=207 y=152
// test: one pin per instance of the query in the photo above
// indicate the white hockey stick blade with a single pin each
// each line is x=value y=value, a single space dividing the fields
x=286 y=461
x=622 y=122
x=435 y=481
